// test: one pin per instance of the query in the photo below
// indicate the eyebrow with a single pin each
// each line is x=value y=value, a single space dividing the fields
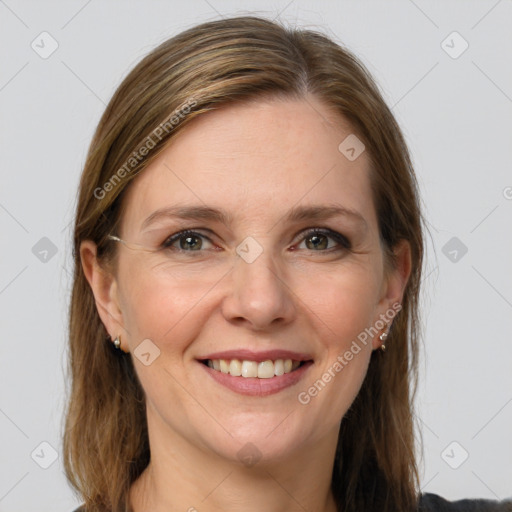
x=190 y=213
x=296 y=214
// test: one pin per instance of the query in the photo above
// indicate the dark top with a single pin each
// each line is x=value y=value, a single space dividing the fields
x=434 y=503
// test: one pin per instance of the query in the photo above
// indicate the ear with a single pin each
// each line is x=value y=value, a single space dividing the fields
x=394 y=284
x=104 y=288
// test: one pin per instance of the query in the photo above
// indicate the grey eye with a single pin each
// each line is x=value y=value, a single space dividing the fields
x=321 y=240
x=189 y=241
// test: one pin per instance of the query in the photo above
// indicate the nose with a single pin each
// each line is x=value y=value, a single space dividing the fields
x=259 y=295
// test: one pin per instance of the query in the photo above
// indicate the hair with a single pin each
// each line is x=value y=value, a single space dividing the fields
x=222 y=62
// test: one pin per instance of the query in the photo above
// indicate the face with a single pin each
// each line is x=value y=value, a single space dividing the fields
x=282 y=261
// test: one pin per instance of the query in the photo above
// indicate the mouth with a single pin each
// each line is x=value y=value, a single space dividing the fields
x=253 y=369
x=256 y=374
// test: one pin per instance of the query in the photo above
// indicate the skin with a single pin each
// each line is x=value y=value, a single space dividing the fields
x=257 y=161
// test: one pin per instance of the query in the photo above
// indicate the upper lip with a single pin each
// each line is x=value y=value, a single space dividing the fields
x=264 y=355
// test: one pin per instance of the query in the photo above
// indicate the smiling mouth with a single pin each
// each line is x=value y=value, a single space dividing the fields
x=261 y=370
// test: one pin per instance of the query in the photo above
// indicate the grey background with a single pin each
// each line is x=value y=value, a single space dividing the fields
x=456 y=114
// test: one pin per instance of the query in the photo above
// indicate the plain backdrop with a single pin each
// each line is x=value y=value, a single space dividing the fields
x=452 y=95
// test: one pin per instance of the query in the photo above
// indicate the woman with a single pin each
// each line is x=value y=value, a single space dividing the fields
x=244 y=318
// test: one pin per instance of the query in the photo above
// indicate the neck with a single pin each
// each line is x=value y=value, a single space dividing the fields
x=183 y=476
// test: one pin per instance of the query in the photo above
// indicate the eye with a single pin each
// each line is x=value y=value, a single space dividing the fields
x=188 y=241
x=319 y=240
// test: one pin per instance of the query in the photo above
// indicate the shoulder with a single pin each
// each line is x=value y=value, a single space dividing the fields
x=434 y=503
x=79 y=509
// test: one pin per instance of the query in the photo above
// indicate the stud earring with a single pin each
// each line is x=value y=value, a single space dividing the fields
x=117 y=342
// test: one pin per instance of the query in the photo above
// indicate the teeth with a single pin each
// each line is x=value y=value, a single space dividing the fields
x=249 y=369
x=263 y=370
x=235 y=368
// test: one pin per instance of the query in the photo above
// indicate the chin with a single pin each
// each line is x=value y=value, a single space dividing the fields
x=268 y=439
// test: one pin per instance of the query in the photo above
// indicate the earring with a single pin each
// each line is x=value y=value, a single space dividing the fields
x=117 y=342
x=383 y=338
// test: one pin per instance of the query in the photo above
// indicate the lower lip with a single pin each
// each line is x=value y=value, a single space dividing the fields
x=258 y=387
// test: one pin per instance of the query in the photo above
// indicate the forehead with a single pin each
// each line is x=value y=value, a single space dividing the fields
x=255 y=159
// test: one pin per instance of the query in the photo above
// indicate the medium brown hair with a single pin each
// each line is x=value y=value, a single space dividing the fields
x=240 y=59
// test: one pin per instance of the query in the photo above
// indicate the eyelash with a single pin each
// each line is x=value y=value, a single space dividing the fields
x=337 y=237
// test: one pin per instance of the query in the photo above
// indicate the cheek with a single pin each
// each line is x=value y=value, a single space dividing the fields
x=337 y=380
x=344 y=304
x=158 y=306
